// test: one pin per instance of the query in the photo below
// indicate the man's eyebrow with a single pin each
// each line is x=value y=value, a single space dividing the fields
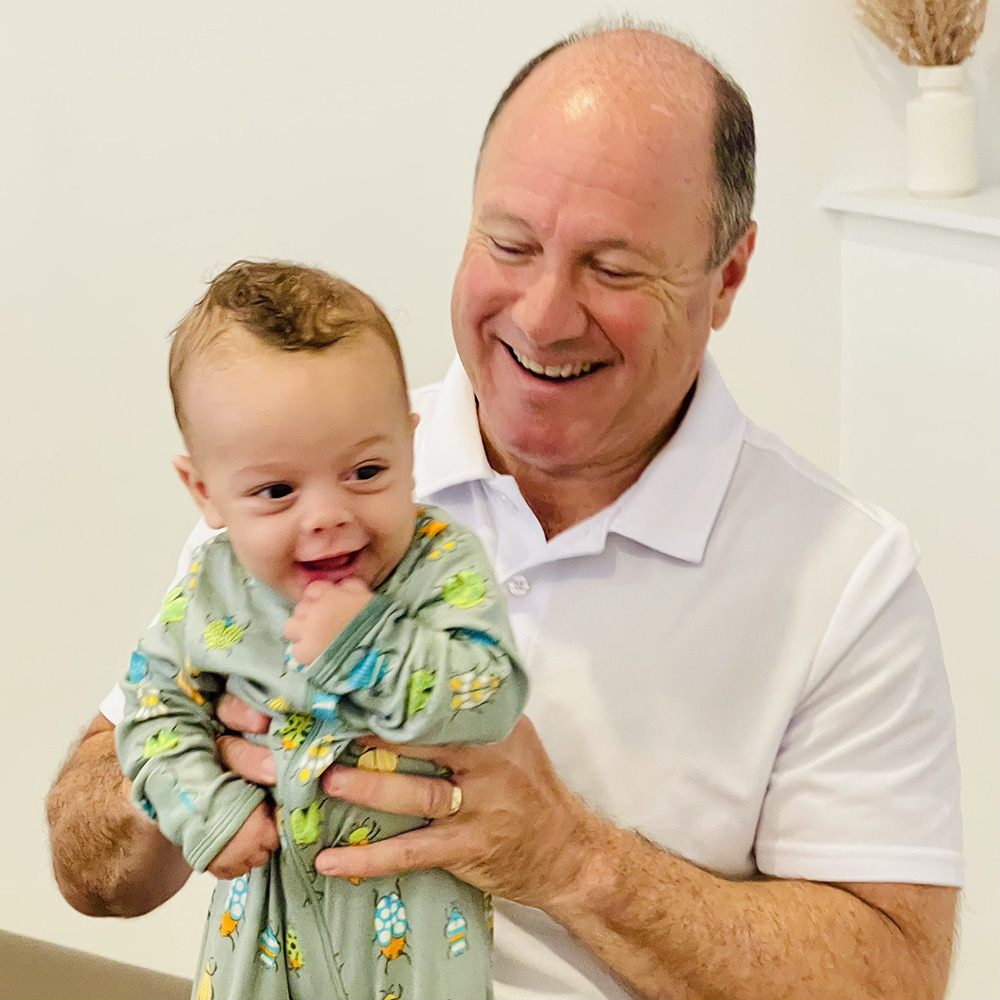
x=494 y=213
x=648 y=251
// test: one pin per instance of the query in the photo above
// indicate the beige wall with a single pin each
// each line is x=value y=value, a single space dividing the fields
x=144 y=147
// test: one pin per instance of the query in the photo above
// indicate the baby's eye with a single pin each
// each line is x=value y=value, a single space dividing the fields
x=369 y=471
x=275 y=491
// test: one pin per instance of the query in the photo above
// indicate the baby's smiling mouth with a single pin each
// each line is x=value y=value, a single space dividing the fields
x=332 y=568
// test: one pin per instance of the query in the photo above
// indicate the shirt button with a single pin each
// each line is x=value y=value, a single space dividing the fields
x=518 y=586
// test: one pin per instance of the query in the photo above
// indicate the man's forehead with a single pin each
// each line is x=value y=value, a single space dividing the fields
x=626 y=69
x=600 y=86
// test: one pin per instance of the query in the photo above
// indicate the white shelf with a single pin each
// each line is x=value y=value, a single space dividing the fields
x=965 y=229
x=975 y=213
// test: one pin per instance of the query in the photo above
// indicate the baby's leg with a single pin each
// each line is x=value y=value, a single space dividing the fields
x=423 y=935
x=241 y=954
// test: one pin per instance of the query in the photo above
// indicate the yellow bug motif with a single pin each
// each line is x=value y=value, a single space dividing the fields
x=150 y=705
x=360 y=836
x=205 y=991
x=319 y=756
x=377 y=759
x=469 y=689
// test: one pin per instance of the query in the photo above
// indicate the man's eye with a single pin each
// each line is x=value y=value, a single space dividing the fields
x=275 y=491
x=615 y=274
x=507 y=249
x=370 y=471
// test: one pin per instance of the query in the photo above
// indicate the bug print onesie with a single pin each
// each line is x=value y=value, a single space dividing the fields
x=430 y=659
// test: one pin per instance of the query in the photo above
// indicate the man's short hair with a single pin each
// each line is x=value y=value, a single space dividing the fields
x=733 y=141
x=286 y=306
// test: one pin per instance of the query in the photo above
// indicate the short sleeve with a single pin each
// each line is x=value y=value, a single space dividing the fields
x=865 y=786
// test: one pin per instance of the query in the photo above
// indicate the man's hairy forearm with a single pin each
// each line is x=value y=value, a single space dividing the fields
x=670 y=929
x=108 y=859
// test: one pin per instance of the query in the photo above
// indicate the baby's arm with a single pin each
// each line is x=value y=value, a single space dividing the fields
x=166 y=746
x=431 y=657
x=249 y=847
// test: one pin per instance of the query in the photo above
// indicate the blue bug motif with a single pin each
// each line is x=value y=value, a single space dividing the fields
x=454 y=931
x=235 y=905
x=390 y=925
x=136 y=667
x=269 y=948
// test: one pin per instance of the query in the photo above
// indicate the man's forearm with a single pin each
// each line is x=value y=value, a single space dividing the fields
x=108 y=859
x=670 y=929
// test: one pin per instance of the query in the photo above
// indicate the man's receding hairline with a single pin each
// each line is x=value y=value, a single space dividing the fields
x=650 y=36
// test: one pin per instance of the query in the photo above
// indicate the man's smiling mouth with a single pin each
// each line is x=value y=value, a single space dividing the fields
x=556 y=373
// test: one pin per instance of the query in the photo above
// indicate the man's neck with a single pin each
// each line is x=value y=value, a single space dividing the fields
x=561 y=496
x=560 y=501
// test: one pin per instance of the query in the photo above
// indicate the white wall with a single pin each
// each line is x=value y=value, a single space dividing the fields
x=143 y=147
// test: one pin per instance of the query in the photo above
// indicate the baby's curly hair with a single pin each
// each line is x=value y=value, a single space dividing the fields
x=287 y=306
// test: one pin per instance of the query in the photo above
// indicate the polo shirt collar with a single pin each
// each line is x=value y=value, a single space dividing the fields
x=673 y=505
x=457 y=454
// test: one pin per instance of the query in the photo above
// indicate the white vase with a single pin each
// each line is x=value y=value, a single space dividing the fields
x=941 y=135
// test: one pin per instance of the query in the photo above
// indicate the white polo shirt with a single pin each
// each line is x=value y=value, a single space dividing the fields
x=737 y=659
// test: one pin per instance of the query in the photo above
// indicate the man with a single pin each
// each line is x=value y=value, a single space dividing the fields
x=743 y=779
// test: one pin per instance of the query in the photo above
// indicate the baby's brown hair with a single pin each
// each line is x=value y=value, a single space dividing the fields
x=287 y=306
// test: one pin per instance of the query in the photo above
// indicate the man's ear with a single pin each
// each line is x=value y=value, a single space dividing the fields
x=414 y=420
x=731 y=274
x=191 y=478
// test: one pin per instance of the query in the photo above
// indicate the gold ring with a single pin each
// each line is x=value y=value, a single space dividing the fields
x=456 y=800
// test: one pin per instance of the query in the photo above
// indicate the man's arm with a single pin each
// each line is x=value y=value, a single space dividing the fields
x=665 y=927
x=108 y=859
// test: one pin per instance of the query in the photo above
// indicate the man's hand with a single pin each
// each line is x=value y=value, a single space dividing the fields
x=248 y=760
x=249 y=847
x=666 y=927
x=511 y=835
x=322 y=613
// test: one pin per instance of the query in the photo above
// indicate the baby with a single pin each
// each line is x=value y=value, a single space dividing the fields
x=338 y=608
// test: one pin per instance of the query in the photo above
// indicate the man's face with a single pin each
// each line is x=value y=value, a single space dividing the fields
x=582 y=307
x=305 y=457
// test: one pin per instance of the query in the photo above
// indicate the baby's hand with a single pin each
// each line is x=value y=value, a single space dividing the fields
x=249 y=847
x=324 y=610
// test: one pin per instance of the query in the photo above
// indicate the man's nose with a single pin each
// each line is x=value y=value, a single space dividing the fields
x=549 y=307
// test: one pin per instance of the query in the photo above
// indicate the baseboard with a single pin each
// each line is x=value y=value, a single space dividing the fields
x=36 y=970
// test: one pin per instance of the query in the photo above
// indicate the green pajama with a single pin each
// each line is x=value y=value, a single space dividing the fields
x=431 y=659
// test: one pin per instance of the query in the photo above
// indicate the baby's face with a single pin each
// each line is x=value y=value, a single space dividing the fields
x=306 y=457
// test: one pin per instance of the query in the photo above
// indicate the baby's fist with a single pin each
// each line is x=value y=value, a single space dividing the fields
x=322 y=613
x=249 y=847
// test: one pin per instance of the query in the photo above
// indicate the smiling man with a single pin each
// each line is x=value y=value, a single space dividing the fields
x=739 y=777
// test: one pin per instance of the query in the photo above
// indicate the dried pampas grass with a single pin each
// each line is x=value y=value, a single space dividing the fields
x=925 y=32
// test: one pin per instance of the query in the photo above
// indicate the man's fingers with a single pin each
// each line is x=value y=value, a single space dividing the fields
x=239 y=716
x=446 y=756
x=406 y=852
x=403 y=794
x=247 y=759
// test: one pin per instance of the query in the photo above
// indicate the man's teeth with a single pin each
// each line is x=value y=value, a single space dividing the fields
x=554 y=371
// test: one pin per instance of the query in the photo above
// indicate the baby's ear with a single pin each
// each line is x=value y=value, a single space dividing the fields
x=192 y=479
